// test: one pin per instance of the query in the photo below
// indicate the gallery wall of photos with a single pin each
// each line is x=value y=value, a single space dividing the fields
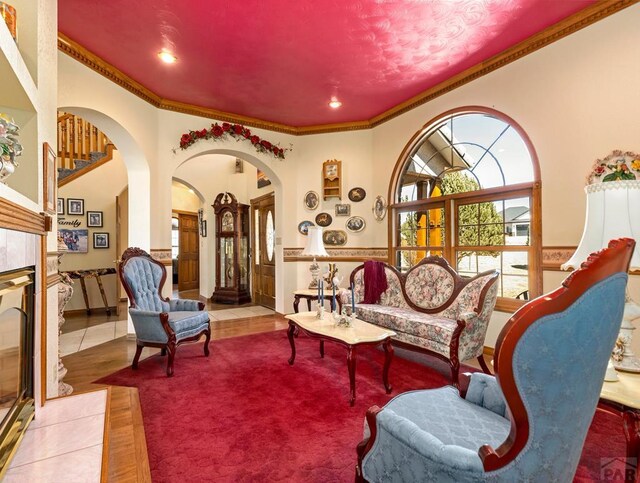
x=334 y=234
x=80 y=230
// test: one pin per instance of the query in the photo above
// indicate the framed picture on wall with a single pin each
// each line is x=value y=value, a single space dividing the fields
x=49 y=182
x=77 y=241
x=94 y=219
x=75 y=206
x=100 y=240
x=60 y=210
x=343 y=210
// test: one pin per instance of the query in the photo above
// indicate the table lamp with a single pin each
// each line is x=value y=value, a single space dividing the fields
x=613 y=211
x=314 y=248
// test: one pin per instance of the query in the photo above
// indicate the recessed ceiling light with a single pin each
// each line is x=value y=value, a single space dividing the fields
x=167 y=57
x=335 y=103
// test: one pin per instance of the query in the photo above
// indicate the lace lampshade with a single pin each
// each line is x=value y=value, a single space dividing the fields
x=613 y=211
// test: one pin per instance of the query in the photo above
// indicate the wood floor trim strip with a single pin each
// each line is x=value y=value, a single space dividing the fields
x=140 y=441
x=104 y=472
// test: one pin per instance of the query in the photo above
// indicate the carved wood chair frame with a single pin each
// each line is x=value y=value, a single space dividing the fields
x=599 y=266
x=168 y=348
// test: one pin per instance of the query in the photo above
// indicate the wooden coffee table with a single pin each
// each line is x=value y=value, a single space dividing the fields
x=360 y=333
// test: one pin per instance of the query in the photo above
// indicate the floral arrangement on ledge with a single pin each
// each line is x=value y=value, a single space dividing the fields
x=618 y=166
x=10 y=147
x=236 y=131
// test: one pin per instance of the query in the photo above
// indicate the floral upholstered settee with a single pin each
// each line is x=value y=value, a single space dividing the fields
x=432 y=309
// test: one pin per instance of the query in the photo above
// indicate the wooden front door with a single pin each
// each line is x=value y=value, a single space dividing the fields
x=189 y=252
x=264 y=257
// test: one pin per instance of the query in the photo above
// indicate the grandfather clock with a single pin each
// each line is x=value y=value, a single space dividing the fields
x=232 y=250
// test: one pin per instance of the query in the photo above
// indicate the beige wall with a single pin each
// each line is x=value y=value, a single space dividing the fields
x=577 y=100
x=98 y=195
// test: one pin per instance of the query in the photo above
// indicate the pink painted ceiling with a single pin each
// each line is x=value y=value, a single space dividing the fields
x=283 y=60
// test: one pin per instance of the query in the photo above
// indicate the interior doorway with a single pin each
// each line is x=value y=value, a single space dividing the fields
x=188 y=251
x=263 y=257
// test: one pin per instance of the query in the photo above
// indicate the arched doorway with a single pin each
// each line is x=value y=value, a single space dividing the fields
x=194 y=170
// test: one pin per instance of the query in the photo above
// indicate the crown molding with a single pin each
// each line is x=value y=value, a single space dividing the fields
x=575 y=22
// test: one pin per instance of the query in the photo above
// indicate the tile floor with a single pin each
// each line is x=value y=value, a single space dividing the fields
x=64 y=442
x=79 y=340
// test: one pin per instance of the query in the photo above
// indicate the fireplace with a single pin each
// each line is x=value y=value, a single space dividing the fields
x=16 y=359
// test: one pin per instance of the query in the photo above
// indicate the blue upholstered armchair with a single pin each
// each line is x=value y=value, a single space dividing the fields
x=529 y=422
x=158 y=321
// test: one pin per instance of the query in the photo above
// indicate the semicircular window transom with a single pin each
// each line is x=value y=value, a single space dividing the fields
x=487 y=151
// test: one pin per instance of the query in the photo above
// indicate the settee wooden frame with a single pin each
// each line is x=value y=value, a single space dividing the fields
x=459 y=283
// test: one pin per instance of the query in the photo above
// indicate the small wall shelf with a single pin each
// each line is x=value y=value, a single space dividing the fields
x=332 y=179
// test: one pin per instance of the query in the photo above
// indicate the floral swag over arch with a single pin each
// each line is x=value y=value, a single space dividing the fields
x=236 y=131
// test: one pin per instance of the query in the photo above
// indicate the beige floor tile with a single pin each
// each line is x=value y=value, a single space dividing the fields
x=82 y=466
x=69 y=408
x=58 y=439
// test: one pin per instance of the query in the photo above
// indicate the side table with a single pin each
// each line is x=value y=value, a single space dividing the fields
x=622 y=397
x=308 y=295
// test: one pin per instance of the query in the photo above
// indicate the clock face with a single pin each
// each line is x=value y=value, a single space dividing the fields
x=227 y=221
x=331 y=170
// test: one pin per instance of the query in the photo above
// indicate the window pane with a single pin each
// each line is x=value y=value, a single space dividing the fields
x=458 y=182
x=422 y=228
x=513 y=267
x=515 y=263
x=514 y=157
x=405 y=259
x=489 y=173
x=517 y=221
x=468 y=215
x=491 y=212
x=478 y=128
x=468 y=235
x=467 y=263
x=491 y=235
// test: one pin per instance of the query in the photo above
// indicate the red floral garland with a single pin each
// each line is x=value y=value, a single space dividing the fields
x=236 y=131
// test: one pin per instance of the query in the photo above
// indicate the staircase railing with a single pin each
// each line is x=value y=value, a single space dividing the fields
x=77 y=139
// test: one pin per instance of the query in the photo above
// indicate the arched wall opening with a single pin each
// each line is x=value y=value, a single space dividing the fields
x=207 y=252
x=138 y=173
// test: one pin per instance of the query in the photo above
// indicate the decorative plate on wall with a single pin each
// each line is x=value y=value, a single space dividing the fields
x=303 y=227
x=355 y=224
x=357 y=194
x=323 y=219
x=311 y=200
x=379 y=208
x=334 y=238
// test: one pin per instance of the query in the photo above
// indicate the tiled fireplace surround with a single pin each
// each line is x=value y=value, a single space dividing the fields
x=51 y=443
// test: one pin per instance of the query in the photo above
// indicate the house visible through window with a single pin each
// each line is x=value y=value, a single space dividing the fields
x=468 y=190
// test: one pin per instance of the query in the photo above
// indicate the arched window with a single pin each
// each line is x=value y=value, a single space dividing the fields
x=467 y=187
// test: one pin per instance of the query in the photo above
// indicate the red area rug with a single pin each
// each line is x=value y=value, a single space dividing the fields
x=244 y=414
